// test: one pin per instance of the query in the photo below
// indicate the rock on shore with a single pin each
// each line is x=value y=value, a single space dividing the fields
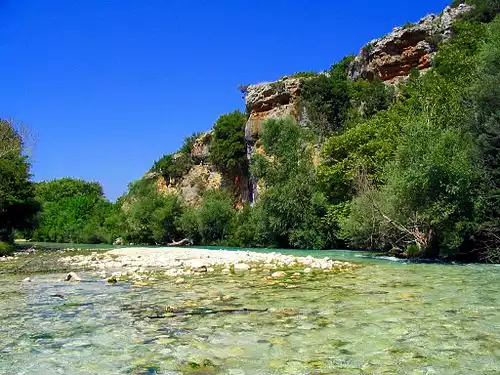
x=178 y=262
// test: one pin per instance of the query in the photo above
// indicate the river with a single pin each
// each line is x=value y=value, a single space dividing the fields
x=386 y=317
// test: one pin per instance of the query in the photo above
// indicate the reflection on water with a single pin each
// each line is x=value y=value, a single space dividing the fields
x=382 y=318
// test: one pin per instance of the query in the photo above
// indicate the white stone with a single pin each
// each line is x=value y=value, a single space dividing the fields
x=241 y=267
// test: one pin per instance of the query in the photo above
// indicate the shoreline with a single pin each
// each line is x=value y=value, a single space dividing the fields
x=133 y=262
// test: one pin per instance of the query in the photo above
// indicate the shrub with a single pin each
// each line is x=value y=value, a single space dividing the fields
x=215 y=216
x=326 y=99
x=149 y=215
x=5 y=249
x=173 y=166
x=483 y=11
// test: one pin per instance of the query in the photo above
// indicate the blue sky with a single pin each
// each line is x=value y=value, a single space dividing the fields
x=108 y=86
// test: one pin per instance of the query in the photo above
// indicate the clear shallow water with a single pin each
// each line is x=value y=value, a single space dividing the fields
x=384 y=318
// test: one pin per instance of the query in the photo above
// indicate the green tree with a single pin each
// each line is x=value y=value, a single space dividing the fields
x=17 y=195
x=485 y=96
x=215 y=216
x=228 y=148
x=291 y=205
x=74 y=210
x=426 y=199
x=149 y=216
x=326 y=99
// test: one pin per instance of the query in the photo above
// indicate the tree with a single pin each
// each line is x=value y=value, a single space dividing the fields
x=228 y=148
x=426 y=199
x=215 y=216
x=326 y=99
x=149 y=216
x=17 y=204
x=291 y=205
x=73 y=211
x=485 y=95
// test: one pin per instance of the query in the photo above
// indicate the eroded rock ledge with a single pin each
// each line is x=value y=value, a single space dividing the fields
x=405 y=48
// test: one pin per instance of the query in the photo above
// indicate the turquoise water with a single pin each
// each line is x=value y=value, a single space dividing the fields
x=384 y=318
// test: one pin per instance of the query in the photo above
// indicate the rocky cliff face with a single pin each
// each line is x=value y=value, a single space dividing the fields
x=389 y=58
x=203 y=176
x=394 y=55
x=268 y=100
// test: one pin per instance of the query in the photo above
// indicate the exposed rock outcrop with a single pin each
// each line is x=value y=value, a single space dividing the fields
x=202 y=176
x=201 y=147
x=268 y=100
x=192 y=185
x=405 y=48
x=389 y=58
x=271 y=99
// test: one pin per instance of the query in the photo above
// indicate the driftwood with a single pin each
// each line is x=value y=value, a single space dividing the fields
x=183 y=242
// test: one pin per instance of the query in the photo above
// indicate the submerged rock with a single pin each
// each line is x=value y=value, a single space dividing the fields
x=72 y=276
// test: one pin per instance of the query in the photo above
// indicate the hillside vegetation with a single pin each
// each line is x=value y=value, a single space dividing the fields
x=412 y=168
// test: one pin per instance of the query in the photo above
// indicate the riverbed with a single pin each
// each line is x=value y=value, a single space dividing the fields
x=384 y=317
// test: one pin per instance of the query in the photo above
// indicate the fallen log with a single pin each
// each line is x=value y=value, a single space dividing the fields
x=183 y=242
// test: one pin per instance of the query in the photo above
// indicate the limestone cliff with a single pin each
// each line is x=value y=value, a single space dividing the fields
x=202 y=176
x=413 y=46
x=389 y=58
x=268 y=100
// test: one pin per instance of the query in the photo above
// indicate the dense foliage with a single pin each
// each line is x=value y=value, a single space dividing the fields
x=74 y=211
x=228 y=150
x=412 y=168
x=17 y=204
x=483 y=11
x=429 y=195
x=147 y=215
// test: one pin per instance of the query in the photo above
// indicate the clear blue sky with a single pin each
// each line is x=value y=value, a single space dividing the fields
x=108 y=86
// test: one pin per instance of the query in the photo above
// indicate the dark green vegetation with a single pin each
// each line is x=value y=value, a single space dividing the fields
x=484 y=10
x=412 y=169
x=228 y=150
x=73 y=211
x=18 y=206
